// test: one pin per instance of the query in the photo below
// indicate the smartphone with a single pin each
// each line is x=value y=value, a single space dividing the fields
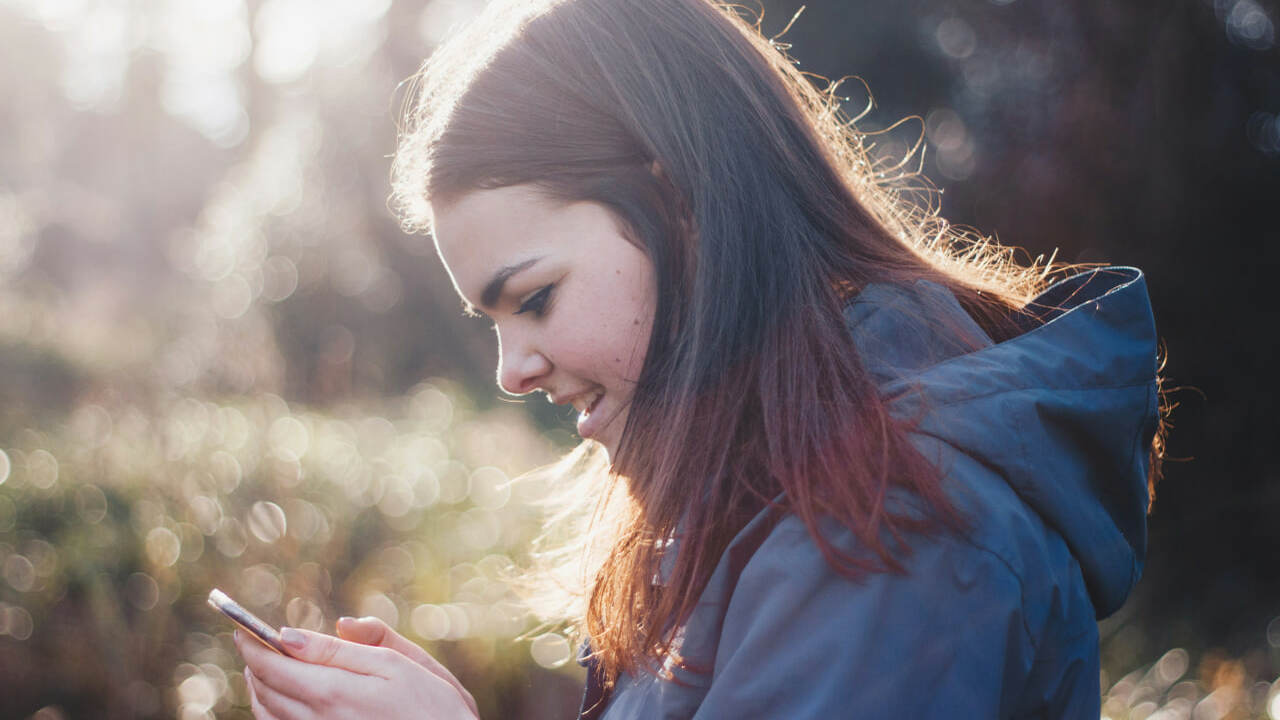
x=265 y=634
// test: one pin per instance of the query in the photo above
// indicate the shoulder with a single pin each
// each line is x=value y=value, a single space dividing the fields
x=1007 y=593
x=953 y=622
x=779 y=632
x=1008 y=561
x=1004 y=528
x=789 y=576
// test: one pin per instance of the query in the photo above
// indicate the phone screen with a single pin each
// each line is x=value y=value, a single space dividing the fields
x=265 y=634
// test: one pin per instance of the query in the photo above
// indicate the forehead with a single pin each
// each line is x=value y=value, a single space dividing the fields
x=485 y=230
x=483 y=221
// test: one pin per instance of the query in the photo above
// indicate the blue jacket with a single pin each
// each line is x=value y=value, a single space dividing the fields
x=1043 y=441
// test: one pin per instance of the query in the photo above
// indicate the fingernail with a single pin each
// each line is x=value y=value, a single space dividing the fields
x=346 y=618
x=292 y=639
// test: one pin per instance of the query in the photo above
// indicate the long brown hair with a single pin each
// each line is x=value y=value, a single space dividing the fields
x=763 y=214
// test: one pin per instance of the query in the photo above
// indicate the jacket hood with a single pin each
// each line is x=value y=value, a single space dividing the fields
x=1065 y=412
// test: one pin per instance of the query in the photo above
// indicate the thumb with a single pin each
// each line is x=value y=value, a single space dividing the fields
x=373 y=631
x=365 y=631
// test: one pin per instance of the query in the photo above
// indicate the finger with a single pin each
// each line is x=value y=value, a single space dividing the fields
x=274 y=703
x=374 y=631
x=299 y=680
x=259 y=712
x=308 y=690
x=320 y=649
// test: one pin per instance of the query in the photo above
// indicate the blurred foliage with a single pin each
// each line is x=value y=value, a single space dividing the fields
x=192 y=228
x=222 y=364
x=115 y=524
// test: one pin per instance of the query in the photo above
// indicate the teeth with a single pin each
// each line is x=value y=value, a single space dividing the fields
x=584 y=402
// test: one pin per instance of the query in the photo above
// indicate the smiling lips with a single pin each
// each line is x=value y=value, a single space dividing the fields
x=585 y=403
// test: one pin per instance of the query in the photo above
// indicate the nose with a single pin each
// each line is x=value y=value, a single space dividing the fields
x=521 y=367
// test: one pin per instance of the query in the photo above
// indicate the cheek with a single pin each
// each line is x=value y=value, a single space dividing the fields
x=616 y=348
x=635 y=341
x=614 y=316
x=615 y=344
x=638 y=341
x=642 y=318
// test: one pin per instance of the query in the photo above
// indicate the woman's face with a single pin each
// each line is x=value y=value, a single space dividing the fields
x=571 y=299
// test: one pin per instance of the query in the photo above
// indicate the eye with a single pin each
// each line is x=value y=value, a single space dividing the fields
x=537 y=303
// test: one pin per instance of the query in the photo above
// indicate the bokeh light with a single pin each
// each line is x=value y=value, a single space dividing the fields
x=267 y=521
x=550 y=650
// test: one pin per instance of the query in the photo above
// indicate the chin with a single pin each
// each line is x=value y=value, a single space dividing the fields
x=608 y=446
x=607 y=440
x=610 y=451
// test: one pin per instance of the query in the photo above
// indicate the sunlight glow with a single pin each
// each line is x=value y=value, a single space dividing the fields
x=440 y=17
x=294 y=35
x=203 y=44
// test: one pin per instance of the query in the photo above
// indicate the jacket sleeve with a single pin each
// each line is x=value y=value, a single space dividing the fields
x=946 y=639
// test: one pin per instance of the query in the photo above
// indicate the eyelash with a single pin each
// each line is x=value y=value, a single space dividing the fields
x=537 y=302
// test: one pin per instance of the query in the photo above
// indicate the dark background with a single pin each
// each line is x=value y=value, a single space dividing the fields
x=193 y=205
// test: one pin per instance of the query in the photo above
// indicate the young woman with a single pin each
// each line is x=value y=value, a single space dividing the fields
x=858 y=464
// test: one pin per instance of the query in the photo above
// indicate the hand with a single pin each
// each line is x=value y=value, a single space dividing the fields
x=373 y=631
x=328 y=677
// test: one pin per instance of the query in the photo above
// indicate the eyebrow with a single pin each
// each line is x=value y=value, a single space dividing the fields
x=493 y=290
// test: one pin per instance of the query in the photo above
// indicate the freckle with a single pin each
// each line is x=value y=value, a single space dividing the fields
x=617 y=272
x=617 y=359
